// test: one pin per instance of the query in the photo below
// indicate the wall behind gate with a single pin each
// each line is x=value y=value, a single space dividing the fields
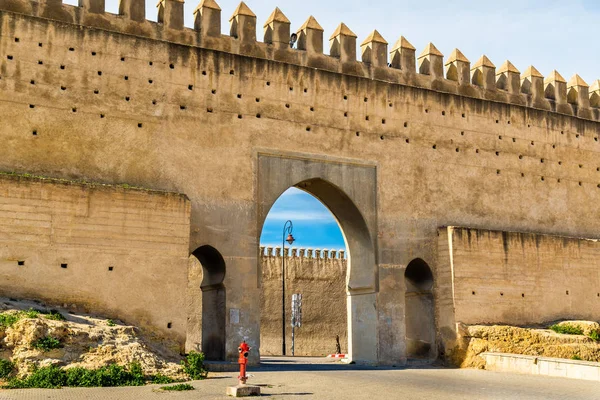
x=117 y=252
x=320 y=276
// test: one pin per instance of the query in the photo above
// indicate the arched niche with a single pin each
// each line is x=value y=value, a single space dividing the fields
x=213 y=302
x=419 y=310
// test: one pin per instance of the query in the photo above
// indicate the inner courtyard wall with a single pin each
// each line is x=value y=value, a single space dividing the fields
x=102 y=97
x=320 y=276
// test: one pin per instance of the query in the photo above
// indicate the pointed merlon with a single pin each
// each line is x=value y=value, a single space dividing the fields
x=402 y=43
x=484 y=62
x=209 y=4
x=374 y=37
x=311 y=23
x=242 y=9
x=531 y=71
x=554 y=76
x=595 y=87
x=431 y=50
x=342 y=29
x=576 y=80
x=277 y=16
x=508 y=67
x=457 y=55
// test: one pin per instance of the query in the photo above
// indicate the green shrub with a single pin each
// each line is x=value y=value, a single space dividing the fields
x=179 y=387
x=567 y=329
x=594 y=335
x=110 y=322
x=54 y=377
x=50 y=377
x=193 y=365
x=575 y=357
x=6 y=368
x=47 y=343
x=162 y=379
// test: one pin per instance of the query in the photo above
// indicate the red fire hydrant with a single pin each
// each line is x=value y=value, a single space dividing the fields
x=244 y=349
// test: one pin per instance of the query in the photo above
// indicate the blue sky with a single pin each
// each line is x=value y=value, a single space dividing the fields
x=314 y=225
x=548 y=34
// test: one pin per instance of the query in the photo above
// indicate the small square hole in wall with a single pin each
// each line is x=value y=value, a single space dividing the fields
x=122 y=58
x=111 y=268
x=16 y=40
x=63 y=265
x=21 y=263
x=34 y=133
x=231 y=72
x=40 y=44
x=169 y=325
x=190 y=87
x=150 y=63
x=171 y=66
x=93 y=53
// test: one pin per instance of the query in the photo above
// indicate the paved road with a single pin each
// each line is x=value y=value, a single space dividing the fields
x=286 y=378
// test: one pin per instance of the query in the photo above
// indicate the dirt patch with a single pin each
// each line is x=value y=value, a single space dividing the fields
x=85 y=341
x=477 y=339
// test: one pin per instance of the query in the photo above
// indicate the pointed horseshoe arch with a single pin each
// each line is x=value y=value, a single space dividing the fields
x=349 y=191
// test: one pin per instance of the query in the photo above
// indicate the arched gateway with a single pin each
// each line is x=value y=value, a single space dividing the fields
x=349 y=191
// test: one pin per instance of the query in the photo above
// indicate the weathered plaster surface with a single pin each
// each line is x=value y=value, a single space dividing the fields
x=117 y=99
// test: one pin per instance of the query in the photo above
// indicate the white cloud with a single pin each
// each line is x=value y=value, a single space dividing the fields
x=307 y=215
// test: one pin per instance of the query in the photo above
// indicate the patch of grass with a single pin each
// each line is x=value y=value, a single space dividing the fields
x=31 y=313
x=179 y=387
x=55 y=316
x=6 y=368
x=47 y=343
x=162 y=379
x=54 y=377
x=575 y=357
x=193 y=365
x=8 y=319
x=110 y=322
x=567 y=329
x=594 y=335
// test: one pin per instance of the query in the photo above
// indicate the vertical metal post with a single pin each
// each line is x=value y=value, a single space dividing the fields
x=293 y=342
x=283 y=296
x=287 y=227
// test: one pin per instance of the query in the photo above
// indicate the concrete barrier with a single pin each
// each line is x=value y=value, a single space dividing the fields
x=533 y=365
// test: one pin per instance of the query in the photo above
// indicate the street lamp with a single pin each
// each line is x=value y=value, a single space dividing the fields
x=287 y=228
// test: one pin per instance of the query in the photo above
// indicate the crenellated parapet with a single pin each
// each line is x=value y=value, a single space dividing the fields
x=399 y=65
x=299 y=252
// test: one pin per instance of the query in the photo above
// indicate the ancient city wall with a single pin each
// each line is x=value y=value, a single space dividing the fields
x=320 y=276
x=112 y=251
x=88 y=94
x=517 y=278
